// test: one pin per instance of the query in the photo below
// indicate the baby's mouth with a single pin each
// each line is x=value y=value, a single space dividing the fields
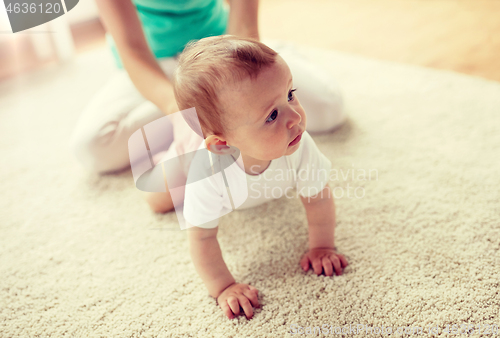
x=295 y=140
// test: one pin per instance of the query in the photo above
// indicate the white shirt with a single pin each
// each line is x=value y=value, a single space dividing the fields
x=207 y=198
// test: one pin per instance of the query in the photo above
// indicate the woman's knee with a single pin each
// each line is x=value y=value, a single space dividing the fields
x=326 y=111
x=100 y=140
x=94 y=150
x=318 y=92
x=324 y=108
x=86 y=152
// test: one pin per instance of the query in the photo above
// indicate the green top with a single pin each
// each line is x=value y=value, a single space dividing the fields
x=170 y=24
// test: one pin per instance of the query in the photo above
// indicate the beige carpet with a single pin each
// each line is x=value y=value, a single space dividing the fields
x=82 y=256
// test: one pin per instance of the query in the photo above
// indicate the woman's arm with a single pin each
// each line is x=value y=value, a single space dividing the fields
x=122 y=22
x=243 y=18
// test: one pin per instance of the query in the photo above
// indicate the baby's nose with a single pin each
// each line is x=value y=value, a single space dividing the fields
x=294 y=119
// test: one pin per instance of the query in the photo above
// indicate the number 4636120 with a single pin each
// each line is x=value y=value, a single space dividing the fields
x=24 y=7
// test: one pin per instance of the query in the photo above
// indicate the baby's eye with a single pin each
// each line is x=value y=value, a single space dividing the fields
x=290 y=94
x=272 y=117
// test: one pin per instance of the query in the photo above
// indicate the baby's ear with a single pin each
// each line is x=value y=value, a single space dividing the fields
x=217 y=145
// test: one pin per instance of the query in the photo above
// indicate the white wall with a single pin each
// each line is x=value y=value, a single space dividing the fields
x=4 y=20
x=84 y=11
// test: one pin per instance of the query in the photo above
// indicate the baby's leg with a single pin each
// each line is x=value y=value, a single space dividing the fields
x=318 y=91
x=162 y=202
x=100 y=139
x=175 y=165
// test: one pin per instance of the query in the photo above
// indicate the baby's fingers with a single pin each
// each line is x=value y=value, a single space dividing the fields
x=253 y=289
x=343 y=261
x=234 y=305
x=327 y=266
x=226 y=309
x=304 y=263
x=246 y=306
x=336 y=265
x=252 y=295
x=317 y=266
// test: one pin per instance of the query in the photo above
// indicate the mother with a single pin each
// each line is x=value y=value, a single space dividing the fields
x=145 y=37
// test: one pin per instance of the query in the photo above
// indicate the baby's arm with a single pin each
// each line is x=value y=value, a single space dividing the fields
x=322 y=255
x=208 y=261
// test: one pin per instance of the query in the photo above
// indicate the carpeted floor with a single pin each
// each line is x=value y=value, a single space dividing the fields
x=82 y=256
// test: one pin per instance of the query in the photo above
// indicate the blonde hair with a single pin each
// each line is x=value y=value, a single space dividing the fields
x=210 y=63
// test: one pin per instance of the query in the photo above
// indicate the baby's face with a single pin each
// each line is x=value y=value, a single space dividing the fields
x=264 y=118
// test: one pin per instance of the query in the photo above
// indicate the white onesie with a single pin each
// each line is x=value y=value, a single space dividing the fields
x=306 y=170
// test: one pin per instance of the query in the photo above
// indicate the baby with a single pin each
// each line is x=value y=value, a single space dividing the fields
x=244 y=98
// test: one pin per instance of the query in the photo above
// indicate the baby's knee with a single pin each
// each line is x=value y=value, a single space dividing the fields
x=159 y=202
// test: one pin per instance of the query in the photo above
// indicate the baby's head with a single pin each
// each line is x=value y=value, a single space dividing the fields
x=243 y=94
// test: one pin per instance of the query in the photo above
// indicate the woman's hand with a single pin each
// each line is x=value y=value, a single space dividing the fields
x=238 y=296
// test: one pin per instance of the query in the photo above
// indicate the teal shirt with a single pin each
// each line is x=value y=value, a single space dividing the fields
x=170 y=24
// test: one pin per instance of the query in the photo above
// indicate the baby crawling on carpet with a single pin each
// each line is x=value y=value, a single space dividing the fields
x=244 y=98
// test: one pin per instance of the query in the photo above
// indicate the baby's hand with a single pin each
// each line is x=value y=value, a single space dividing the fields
x=238 y=295
x=324 y=259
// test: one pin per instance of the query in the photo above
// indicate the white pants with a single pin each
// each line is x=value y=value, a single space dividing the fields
x=100 y=140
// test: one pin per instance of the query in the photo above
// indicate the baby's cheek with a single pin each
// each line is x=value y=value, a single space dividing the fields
x=265 y=151
x=271 y=148
x=278 y=149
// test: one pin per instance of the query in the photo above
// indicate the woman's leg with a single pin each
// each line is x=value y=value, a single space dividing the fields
x=317 y=90
x=100 y=139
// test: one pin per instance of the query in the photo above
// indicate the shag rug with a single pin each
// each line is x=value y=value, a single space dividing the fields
x=417 y=178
